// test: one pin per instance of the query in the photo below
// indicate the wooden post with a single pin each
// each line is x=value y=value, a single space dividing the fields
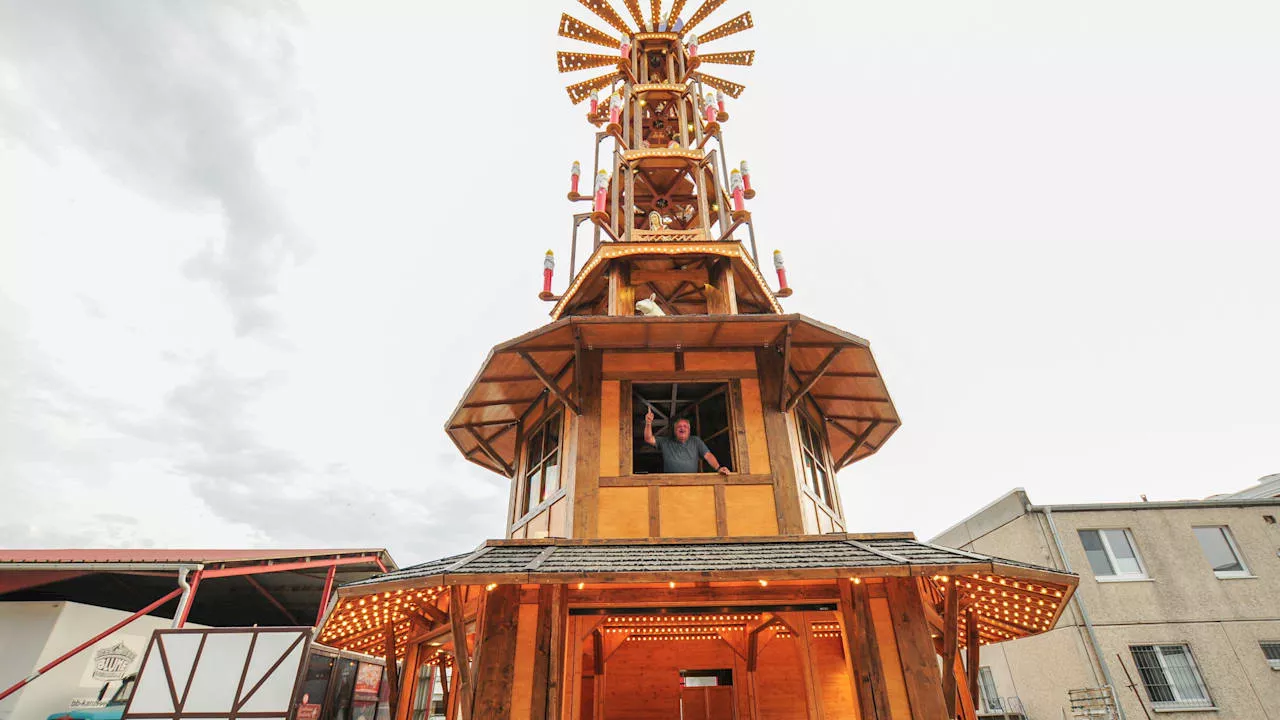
x=540 y=683
x=862 y=652
x=586 y=467
x=915 y=650
x=389 y=656
x=462 y=660
x=408 y=683
x=786 y=490
x=809 y=658
x=950 y=646
x=450 y=694
x=973 y=652
x=495 y=650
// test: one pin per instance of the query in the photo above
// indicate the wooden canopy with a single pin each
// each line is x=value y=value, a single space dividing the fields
x=829 y=371
x=1011 y=599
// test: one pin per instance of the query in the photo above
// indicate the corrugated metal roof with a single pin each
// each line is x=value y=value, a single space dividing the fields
x=194 y=556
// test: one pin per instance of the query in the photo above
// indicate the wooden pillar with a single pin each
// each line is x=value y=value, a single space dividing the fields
x=450 y=693
x=545 y=682
x=786 y=491
x=622 y=295
x=586 y=466
x=950 y=646
x=723 y=299
x=408 y=683
x=973 y=652
x=915 y=650
x=965 y=708
x=862 y=652
x=495 y=654
x=389 y=656
x=461 y=657
x=809 y=659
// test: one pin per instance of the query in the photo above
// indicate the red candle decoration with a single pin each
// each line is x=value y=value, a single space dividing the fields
x=625 y=48
x=615 y=108
x=574 y=173
x=709 y=109
x=781 y=267
x=746 y=176
x=720 y=100
x=595 y=102
x=602 y=189
x=693 y=46
x=548 y=269
x=735 y=189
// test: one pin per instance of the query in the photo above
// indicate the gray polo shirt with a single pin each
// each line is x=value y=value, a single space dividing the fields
x=681 y=457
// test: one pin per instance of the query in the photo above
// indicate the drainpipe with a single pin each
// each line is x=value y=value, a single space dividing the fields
x=184 y=602
x=1084 y=614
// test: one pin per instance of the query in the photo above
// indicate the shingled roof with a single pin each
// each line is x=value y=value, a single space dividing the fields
x=559 y=560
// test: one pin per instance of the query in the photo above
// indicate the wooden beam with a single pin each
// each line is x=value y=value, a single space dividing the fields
x=786 y=495
x=915 y=650
x=812 y=379
x=489 y=452
x=858 y=441
x=973 y=652
x=551 y=384
x=408 y=684
x=389 y=656
x=696 y=276
x=557 y=698
x=950 y=645
x=495 y=650
x=462 y=660
x=862 y=651
x=786 y=368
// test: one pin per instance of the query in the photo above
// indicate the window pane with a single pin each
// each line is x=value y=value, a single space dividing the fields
x=1181 y=673
x=1144 y=656
x=1097 y=555
x=1271 y=650
x=1213 y=541
x=988 y=684
x=552 y=436
x=1125 y=558
x=551 y=481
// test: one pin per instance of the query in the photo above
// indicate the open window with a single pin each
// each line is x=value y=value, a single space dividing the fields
x=704 y=404
x=541 y=477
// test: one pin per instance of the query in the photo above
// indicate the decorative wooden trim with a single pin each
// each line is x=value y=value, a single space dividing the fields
x=551 y=383
x=813 y=379
x=685 y=480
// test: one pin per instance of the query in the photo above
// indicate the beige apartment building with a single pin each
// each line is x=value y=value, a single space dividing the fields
x=1177 y=614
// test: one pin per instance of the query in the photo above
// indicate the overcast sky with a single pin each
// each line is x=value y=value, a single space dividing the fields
x=251 y=254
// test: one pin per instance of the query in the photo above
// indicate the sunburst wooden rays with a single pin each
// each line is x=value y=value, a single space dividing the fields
x=575 y=29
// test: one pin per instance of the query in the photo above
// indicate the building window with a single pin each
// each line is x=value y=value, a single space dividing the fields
x=1170 y=675
x=542 y=464
x=1272 y=651
x=1221 y=551
x=817 y=474
x=987 y=684
x=704 y=405
x=1112 y=554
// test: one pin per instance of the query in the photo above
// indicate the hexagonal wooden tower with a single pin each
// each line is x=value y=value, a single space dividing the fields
x=622 y=589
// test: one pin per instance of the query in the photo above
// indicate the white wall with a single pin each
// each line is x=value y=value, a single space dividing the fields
x=43 y=631
x=25 y=628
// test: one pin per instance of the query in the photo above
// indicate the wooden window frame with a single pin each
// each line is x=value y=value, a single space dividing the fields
x=825 y=496
x=526 y=505
x=732 y=430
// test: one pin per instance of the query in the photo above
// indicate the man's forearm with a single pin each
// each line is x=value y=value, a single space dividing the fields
x=648 y=433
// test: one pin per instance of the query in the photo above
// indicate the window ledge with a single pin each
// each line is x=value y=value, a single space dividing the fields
x=1121 y=579
x=1234 y=576
x=1196 y=708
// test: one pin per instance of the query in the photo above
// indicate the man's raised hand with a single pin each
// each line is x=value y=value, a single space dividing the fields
x=648 y=417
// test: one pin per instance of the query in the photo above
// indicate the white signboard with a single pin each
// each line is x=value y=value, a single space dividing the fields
x=226 y=672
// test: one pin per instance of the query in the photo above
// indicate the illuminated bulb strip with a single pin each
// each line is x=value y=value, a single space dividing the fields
x=574 y=29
